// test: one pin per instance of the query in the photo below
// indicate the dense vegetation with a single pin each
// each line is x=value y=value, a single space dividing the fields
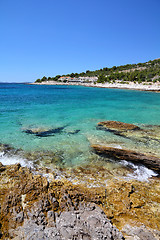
x=141 y=72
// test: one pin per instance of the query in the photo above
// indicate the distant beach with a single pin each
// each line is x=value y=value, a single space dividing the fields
x=131 y=85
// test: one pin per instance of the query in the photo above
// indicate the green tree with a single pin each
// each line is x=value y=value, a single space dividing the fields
x=101 y=79
x=38 y=80
x=44 y=79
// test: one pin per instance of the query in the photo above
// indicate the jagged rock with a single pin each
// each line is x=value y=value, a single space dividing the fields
x=89 y=222
x=128 y=155
x=140 y=233
x=19 y=217
x=27 y=200
x=116 y=126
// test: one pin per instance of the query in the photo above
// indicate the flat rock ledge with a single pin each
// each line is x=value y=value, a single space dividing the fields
x=116 y=126
x=128 y=155
x=147 y=134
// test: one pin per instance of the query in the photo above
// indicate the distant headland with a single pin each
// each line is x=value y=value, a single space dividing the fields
x=140 y=76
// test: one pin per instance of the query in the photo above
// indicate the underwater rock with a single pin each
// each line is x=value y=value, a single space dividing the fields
x=31 y=158
x=45 y=157
x=74 y=132
x=6 y=148
x=128 y=155
x=44 y=133
x=39 y=132
x=148 y=134
x=115 y=126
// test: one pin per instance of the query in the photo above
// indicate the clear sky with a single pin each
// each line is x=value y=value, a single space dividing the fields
x=49 y=37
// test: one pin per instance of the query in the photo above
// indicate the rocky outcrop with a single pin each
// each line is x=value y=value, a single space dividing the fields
x=128 y=155
x=89 y=222
x=141 y=232
x=37 y=208
x=148 y=134
x=115 y=126
x=33 y=208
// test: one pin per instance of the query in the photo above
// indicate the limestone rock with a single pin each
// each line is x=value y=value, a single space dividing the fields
x=88 y=223
x=116 y=126
x=33 y=207
x=140 y=233
x=147 y=134
x=149 y=161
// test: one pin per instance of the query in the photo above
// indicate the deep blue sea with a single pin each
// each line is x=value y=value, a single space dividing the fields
x=72 y=113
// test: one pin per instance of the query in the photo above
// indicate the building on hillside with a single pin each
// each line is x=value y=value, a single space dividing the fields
x=78 y=80
x=64 y=78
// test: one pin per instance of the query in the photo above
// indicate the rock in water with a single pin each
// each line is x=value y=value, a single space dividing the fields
x=128 y=155
x=116 y=126
x=131 y=131
x=74 y=132
x=44 y=133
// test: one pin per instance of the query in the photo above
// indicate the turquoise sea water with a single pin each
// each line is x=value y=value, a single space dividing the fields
x=74 y=109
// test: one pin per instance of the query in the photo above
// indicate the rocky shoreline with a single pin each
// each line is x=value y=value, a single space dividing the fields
x=155 y=87
x=86 y=202
x=34 y=208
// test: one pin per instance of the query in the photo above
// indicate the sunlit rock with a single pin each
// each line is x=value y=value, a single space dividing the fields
x=124 y=154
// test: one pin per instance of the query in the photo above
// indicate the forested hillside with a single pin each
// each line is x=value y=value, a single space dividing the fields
x=141 y=72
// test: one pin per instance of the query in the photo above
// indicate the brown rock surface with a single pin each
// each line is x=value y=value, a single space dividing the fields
x=116 y=126
x=149 y=161
x=24 y=195
x=147 y=134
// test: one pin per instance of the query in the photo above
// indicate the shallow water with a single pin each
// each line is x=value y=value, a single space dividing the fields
x=75 y=110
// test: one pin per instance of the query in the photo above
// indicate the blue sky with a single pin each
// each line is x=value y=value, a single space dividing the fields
x=49 y=37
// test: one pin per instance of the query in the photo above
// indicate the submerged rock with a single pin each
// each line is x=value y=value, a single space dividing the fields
x=32 y=158
x=147 y=134
x=149 y=161
x=41 y=132
x=74 y=132
x=44 y=133
x=8 y=149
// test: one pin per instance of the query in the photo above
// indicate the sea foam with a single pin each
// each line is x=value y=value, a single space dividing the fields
x=9 y=160
x=140 y=173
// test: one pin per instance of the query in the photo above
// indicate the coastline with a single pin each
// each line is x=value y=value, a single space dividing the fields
x=36 y=199
x=132 y=86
